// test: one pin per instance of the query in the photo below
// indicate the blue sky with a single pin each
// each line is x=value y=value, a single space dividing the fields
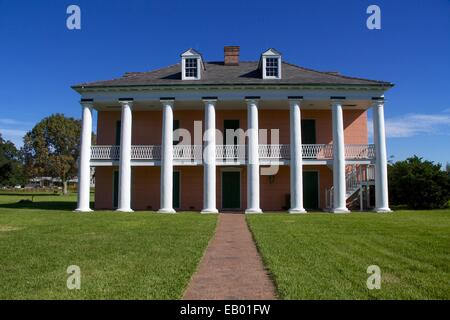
x=40 y=58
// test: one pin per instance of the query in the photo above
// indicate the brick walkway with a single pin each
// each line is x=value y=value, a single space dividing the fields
x=231 y=267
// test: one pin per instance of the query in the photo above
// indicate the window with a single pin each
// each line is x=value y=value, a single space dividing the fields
x=191 y=68
x=272 y=67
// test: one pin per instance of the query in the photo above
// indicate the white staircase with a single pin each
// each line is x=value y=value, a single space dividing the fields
x=358 y=179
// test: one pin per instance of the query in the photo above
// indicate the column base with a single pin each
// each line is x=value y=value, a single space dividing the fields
x=124 y=210
x=382 y=210
x=206 y=211
x=340 y=210
x=297 y=210
x=253 y=210
x=166 y=210
x=80 y=210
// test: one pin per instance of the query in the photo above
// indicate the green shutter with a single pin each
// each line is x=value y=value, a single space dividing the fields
x=176 y=189
x=115 y=189
x=227 y=125
x=176 y=137
x=308 y=131
x=118 y=128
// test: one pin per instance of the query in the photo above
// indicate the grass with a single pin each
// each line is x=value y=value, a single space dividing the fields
x=121 y=256
x=324 y=256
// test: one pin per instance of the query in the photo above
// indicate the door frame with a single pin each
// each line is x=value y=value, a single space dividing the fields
x=318 y=185
x=231 y=169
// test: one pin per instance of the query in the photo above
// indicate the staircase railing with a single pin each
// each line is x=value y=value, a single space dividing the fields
x=355 y=177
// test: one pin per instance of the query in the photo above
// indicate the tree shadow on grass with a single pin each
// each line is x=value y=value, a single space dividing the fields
x=41 y=205
x=29 y=194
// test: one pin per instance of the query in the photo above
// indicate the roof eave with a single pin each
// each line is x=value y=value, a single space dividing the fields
x=386 y=85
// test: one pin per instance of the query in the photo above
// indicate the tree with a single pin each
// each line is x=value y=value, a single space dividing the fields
x=419 y=184
x=51 y=148
x=11 y=168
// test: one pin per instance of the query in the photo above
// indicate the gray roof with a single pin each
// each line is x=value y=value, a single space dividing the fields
x=246 y=73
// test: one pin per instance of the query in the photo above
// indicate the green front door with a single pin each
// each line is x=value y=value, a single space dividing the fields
x=231 y=190
x=176 y=189
x=115 y=189
x=310 y=189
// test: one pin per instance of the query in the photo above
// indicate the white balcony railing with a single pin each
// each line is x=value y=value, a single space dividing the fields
x=235 y=152
x=187 y=152
x=105 y=152
x=230 y=152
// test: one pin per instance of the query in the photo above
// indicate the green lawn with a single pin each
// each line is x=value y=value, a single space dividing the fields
x=325 y=256
x=122 y=256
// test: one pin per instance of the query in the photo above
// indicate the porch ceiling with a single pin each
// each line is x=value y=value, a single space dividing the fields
x=233 y=105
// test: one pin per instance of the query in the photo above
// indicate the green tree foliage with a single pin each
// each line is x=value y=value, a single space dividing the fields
x=419 y=184
x=51 y=148
x=11 y=168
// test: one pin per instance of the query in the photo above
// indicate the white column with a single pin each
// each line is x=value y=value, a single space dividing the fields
x=339 y=205
x=296 y=162
x=209 y=158
x=167 y=157
x=253 y=157
x=84 y=168
x=125 y=157
x=381 y=180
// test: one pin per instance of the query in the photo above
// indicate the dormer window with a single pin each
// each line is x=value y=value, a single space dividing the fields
x=270 y=64
x=191 y=65
x=191 y=68
x=272 y=67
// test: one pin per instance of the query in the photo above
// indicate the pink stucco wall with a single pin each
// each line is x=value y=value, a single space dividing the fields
x=147 y=130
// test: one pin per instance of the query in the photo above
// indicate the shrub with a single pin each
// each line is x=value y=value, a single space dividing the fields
x=419 y=184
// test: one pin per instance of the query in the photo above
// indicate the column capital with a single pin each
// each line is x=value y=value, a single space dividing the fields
x=252 y=99
x=337 y=100
x=126 y=101
x=167 y=100
x=207 y=100
x=88 y=103
x=294 y=100
x=376 y=101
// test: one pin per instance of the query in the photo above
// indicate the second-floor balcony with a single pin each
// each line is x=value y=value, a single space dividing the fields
x=235 y=153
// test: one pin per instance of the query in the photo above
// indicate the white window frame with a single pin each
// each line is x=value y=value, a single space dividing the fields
x=191 y=54
x=265 y=76
x=185 y=77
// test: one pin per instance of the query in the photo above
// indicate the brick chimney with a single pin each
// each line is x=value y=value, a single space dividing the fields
x=231 y=55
